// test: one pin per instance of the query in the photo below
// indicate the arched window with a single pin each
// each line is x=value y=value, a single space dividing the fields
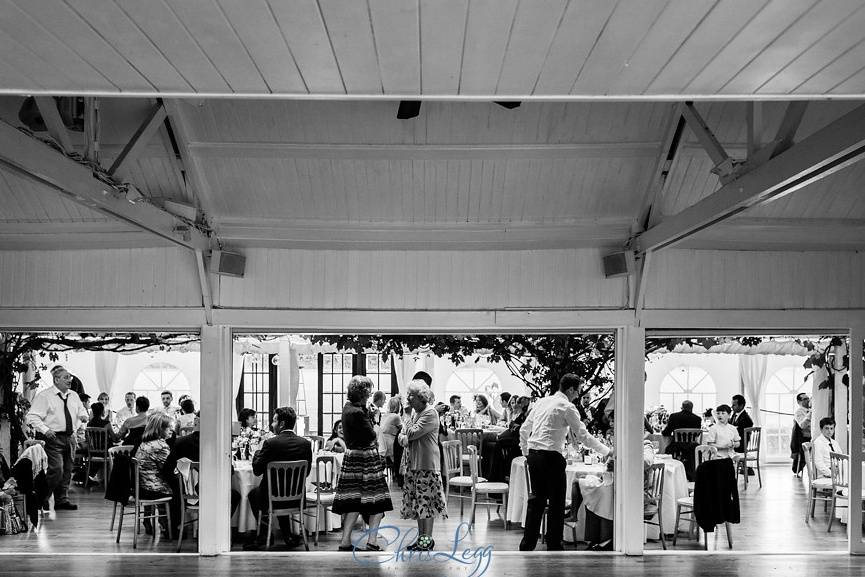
x=158 y=377
x=691 y=383
x=470 y=380
x=777 y=404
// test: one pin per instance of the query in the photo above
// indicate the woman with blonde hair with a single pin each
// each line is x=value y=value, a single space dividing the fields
x=361 y=488
x=423 y=494
x=151 y=455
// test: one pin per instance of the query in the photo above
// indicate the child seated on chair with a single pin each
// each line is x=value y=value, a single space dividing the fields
x=723 y=436
x=823 y=446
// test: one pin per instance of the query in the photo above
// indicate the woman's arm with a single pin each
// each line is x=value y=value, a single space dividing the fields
x=427 y=423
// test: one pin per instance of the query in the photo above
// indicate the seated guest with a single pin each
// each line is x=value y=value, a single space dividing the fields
x=600 y=423
x=128 y=410
x=584 y=408
x=284 y=446
x=442 y=410
x=684 y=419
x=823 y=445
x=132 y=429
x=507 y=415
x=152 y=454
x=650 y=504
x=247 y=442
x=185 y=447
x=484 y=413
x=458 y=414
x=336 y=442
x=106 y=402
x=187 y=414
x=741 y=420
x=98 y=419
x=509 y=441
x=723 y=436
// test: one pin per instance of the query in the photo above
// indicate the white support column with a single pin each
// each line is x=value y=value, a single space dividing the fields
x=854 y=525
x=215 y=489
x=630 y=390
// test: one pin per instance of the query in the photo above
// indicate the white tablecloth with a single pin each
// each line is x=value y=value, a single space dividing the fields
x=675 y=487
x=244 y=480
x=518 y=495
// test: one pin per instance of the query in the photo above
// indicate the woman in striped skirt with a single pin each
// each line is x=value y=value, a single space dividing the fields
x=362 y=488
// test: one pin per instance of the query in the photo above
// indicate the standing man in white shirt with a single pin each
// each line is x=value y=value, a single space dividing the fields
x=542 y=440
x=56 y=414
x=823 y=445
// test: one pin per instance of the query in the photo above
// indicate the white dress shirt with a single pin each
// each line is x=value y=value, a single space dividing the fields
x=547 y=424
x=820 y=453
x=803 y=417
x=724 y=437
x=46 y=412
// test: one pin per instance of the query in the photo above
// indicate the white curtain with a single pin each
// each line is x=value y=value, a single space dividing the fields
x=820 y=401
x=236 y=372
x=407 y=365
x=106 y=369
x=752 y=374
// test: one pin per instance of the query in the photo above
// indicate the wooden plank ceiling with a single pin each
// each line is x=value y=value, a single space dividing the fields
x=446 y=48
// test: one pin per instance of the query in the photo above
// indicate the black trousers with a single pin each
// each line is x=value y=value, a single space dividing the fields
x=547 y=473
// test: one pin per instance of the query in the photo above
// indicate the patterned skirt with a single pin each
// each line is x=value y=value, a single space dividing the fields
x=423 y=496
x=362 y=487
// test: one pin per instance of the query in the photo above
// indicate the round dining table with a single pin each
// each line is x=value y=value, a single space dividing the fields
x=243 y=480
x=601 y=500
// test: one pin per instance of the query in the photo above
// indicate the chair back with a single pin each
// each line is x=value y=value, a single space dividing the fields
x=473 y=464
x=807 y=449
x=687 y=436
x=194 y=468
x=317 y=442
x=453 y=451
x=468 y=437
x=752 y=440
x=655 y=475
x=286 y=481
x=120 y=450
x=702 y=453
x=97 y=441
x=840 y=471
x=326 y=469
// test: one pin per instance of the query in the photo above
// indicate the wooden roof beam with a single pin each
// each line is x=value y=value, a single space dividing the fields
x=38 y=161
x=51 y=116
x=825 y=152
x=141 y=137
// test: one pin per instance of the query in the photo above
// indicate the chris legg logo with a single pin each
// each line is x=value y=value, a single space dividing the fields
x=476 y=560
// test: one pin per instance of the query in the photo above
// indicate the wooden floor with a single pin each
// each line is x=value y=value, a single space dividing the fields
x=772 y=522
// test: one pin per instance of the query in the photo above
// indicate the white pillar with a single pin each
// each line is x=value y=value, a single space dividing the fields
x=854 y=525
x=630 y=390
x=215 y=485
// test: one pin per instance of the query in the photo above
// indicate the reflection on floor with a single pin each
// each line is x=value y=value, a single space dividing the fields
x=772 y=521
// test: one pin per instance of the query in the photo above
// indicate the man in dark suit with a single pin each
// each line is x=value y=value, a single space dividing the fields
x=188 y=447
x=741 y=420
x=684 y=419
x=285 y=446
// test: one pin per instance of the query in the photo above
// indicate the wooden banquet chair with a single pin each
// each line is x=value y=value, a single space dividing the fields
x=126 y=450
x=139 y=506
x=468 y=437
x=656 y=483
x=819 y=489
x=685 y=505
x=286 y=482
x=453 y=451
x=840 y=484
x=189 y=503
x=688 y=436
x=97 y=451
x=481 y=488
x=317 y=442
x=751 y=454
x=325 y=490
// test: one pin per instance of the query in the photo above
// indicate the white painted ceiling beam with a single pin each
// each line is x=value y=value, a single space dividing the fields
x=40 y=162
x=422 y=151
x=825 y=152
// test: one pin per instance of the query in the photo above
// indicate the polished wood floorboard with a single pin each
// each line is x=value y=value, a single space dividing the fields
x=772 y=522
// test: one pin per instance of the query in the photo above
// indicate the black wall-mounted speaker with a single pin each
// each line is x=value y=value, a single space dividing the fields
x=227 y=263
x=618 y=264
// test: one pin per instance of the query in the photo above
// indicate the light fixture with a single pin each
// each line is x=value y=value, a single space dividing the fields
x=408 y=109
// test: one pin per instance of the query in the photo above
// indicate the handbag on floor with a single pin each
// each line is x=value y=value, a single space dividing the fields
x=10 y=521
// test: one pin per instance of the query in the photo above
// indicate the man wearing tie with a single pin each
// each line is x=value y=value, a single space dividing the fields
x=823 y=445
x=56 y=414
x=741 y=420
